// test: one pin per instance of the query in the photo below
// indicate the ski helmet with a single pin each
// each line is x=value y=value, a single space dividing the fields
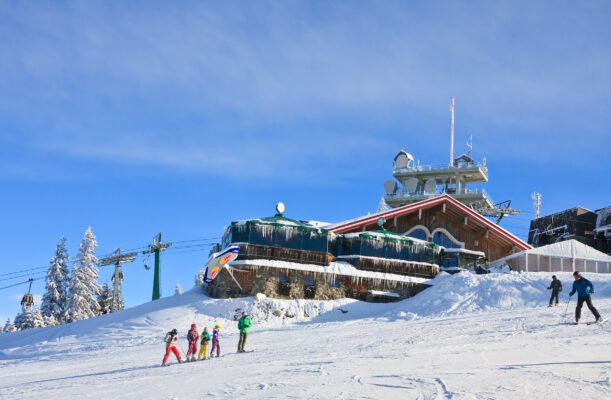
x=576 y=273
x=553 y=276
x=217 y=326
x=174 y=331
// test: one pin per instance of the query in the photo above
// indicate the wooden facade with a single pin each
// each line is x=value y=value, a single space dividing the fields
x=443 y=214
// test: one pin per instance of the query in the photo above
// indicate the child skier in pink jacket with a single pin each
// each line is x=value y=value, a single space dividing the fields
x=192 y=337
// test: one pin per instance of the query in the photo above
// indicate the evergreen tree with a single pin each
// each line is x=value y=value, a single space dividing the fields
x=199 y=278
x=382 y=206
x=105 y=299
x=30 y=318
x=9 y=326
x=178 y=289
x=50 y=320
x=55 y=298
x=83 y=285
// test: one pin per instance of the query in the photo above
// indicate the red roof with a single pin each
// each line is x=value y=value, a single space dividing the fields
x=395 y=212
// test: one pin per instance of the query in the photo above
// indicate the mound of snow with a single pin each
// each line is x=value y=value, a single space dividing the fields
x=467 y=293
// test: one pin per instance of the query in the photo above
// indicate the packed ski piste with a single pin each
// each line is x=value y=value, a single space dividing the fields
x=467 y=337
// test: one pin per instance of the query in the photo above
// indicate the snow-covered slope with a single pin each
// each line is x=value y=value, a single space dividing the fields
x=466 y=337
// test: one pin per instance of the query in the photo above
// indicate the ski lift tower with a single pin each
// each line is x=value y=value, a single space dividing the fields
x=117 y=277
x=157 y=247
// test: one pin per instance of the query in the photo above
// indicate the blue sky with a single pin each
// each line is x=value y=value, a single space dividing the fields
x=141 y=117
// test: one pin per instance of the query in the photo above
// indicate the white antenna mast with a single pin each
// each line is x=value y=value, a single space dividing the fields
x=470 y=146
x=452 y=132
x=536 y=196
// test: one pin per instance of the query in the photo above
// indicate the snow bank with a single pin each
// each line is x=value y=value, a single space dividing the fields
x=466 y=292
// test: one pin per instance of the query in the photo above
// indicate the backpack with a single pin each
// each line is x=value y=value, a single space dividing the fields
x=168 y=338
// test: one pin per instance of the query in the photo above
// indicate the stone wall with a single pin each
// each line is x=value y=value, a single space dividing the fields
x=267 y=281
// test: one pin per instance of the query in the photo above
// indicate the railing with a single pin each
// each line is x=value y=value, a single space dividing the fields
x=403 y=193
x=418 y=168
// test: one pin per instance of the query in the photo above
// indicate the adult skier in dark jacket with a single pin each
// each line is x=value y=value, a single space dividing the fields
x=556 y=287
x=584 y=288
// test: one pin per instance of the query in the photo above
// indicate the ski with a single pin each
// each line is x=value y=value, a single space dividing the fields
x=595 y=322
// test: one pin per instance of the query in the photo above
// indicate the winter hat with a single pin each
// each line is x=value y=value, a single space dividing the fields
x=193 y=326
x=243 y=312
x=217 y=326
x=174 y=331
x=576 y=273
x=553 y=276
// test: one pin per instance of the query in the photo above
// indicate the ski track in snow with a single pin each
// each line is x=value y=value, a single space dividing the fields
x=468 y=337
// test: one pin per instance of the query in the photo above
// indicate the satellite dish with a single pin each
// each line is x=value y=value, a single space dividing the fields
x=403 y=159
x=411 y=184
x=429 y=186
x=280 y=207
x=390 y=186
x=381 y=222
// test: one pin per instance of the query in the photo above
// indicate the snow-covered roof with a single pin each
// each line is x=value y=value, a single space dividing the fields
x=385 y=235
x=334 y=268
x=280 y=220
x=573 y=249
x=465 y=251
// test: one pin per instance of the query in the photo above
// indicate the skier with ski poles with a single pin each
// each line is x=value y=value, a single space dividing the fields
x=192 y=337
x=556 y=287
x=215 y=341
x=203 y=349
x=170 y=346
x=584 y=288
x=244 y=325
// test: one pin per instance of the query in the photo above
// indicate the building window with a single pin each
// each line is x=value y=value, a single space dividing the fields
x=418 y=234
x=334 y=283
x=284 y=286
x=442 y=239
x=309 y=287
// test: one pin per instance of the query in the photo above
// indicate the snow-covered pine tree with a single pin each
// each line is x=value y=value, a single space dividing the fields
x=30 y=318
x=382 y=206
x=54 y=300
x=83 y=285
x=105 y=299
x=9 y=326
x=199 y=278
x=178 y=289
x=49 y=320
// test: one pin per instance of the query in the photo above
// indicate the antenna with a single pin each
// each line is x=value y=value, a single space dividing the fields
x=470 y=146
x=452 y=131
x=536 y=196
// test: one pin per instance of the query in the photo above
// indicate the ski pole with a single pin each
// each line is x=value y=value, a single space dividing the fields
x=566 y=309
x=181 y=349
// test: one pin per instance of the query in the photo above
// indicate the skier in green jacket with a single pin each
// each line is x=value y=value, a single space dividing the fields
x=244 y=325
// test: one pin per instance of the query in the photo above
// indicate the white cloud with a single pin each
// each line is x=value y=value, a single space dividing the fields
x=225 y=89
